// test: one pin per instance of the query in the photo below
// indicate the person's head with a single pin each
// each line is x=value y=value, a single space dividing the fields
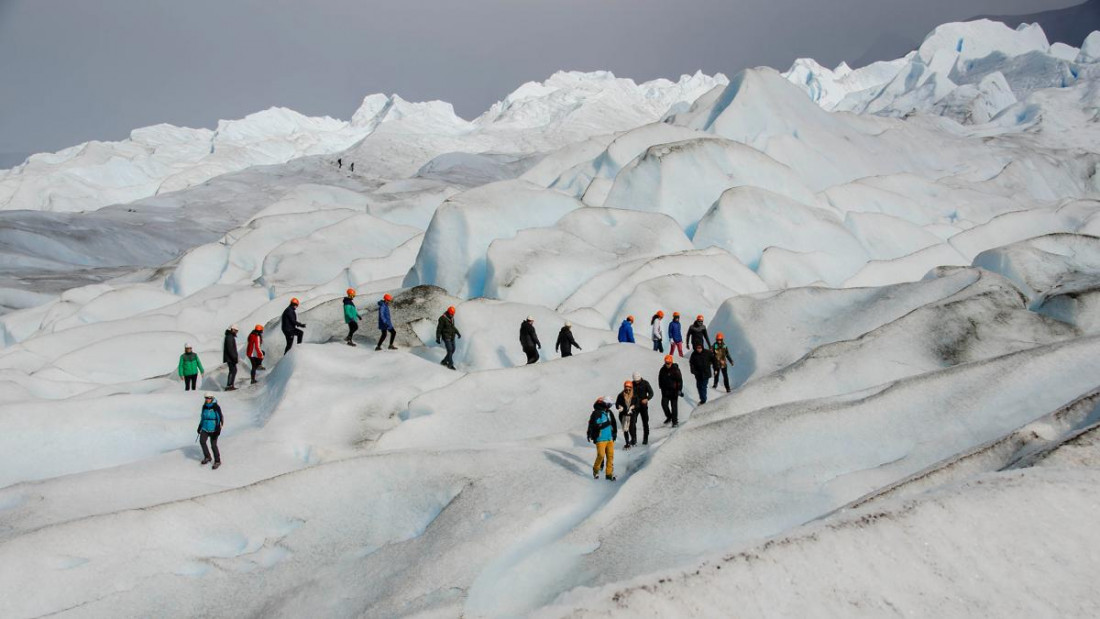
x=186 y=348
x=699 y=318
x=630 y=319
x=233 y=328
x=531 y=319
x=720 y=337
x=351 y=292
x=660 y=314
x=451 y=311
x=294 y=301
x=602 y=403
x=568 y=325
x=260 y=328
x=628 y=385
x=208 y=397
x=698 y=347
x=668 y=360
x=387 y=297
x=637 y=377
x=676 y=315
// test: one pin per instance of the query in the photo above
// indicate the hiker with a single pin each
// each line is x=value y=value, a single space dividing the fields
x=657 y=331
x=566 y=342
x=627 y=404
x=529 y=340
x=603 y=432
x=210 y=427
x=671 y=383
x=229 y=356
x=385 y=322
x=675 y=335
x=254 y=352
x=189 y=368
x=291 y=326
x=339 y=163
x=702 y=365
x=721 y=359
x=697 y=333
x=644 y=392
x=446 y=331
x=351 y=316
x=352 y=166
x=626 y=331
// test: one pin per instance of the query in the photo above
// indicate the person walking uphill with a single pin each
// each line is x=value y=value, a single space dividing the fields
x=446 y=331
x=529 y=340
x=189 y=368
x=626 y=331
x=385 y=322
x=697 y=333
x=210 y=428
x=671 y=383
x=565 y=341
x=627 y=405
x=254 y=351
x=351 y=316
x=603 y=432
x=702 y=366
x=230 y=357
x=657 y=331
x=644 y=392
x=675 y=335
x=290 y=326
x=721 y=359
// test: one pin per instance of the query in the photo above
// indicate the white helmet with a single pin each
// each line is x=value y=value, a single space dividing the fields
x=233 y=328
x=569 y=325
x=530 y=319
x=208 y=395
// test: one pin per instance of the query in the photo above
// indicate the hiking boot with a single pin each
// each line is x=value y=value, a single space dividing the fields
x=627 y=446
x=378 y=347
x=205 y=461
x=216 y=465
x=676 y=425
x=610 y=478
x=253 y=382
x=595 y=474
x=392 y=347
x=351 y=343
x=230 y=388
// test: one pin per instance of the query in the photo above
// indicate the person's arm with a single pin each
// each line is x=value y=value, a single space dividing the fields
x=439 y=331
x=199 y=363
x=179 y=370
x=573 y=340
x=221 y=419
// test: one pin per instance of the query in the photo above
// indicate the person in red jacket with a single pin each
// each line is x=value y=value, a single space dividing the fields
x=255 y=352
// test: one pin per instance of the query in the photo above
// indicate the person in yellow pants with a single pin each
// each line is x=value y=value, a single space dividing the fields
x=602 y=431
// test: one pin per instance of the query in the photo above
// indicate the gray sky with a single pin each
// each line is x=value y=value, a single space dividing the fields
x=75 y=70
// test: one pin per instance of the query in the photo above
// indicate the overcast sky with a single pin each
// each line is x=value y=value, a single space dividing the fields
x=75 y=70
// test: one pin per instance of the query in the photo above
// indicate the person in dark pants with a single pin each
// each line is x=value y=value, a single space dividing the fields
x=566 y=342
x=339 y=163
x=352 y=166
x=351 y=316
x=529 y=340
x=657 y=331
x=254 y=351
x=189 y=368
x=671 y=383
x=697 y=334
x=644 y=391
x=229 y=356
x=210 y=428
x=627 y=405
x=722 y=360
x=385 y=322
x=290 y=326
x=446 y=331
x=702 y=366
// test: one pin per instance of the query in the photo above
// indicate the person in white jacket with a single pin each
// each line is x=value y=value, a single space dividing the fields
x=655 y=325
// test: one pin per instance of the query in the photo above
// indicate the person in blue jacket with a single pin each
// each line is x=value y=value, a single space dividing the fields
x=676 y=335
x=210 y=428
x=602 y=431
x=385 y=323
x=626 y=330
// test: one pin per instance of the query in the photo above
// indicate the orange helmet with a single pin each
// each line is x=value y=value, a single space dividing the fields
x=719 y=336
x=259 y=327
x=660 y=314
x=387 y=297
x=699 y=317
x=294 y=301
x=668 y=358
x=451 y=310
x=630 y=318
x=628 y=383
x=675 y=314
x=351 y=292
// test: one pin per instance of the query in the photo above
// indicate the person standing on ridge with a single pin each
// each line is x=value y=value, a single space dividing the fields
x=658 y=331
x=721 y=358
x=351 y=316
x=385 y=322
x=352 y=166
x=675 y=335
x=254 y=351
x=697 y=334
x=189 y=368
x=290 y=326
x=702 y=366
x=671 y=383
x=644 y=393
x=603 y=432
x=339 y=163
x=529 y=340
x=627 y=405
x=626 y=331
x=229 y=356
x=446 y=331
x=565 y=341
x=210 y=428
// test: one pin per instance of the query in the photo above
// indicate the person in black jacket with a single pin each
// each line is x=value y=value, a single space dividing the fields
x=445 y=333
x=671 y=383
x=230 y=357
x=644 y=392
x=627 y=405
x=702 y=368
x=529 y=340
x=291 y=326
x=697 y=333
x=565 y=341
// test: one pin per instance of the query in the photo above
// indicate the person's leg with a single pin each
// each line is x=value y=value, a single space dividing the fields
x=609 y=472
x=381 y=340
x=232 y=375
x=393 y=334
x=256 y=361
x=665 y=398
x=566 y=353
x=624 y=423
x=716 y=372
x=726 y=378
x=289 y=342
x=677 y=346
x=701 y=386
x=532 y=355
x=299 y=333
x=675 y=409
x=214 y=448
x=352 y=328
x=450 y=359
x=205 y=452
x=644 y=414
x=189 y=382
x=601 y=448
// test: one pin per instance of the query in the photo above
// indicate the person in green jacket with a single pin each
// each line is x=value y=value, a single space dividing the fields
x=189 y=369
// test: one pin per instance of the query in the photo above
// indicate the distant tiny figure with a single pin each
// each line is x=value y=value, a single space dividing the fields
x=697 y=333
x=529 y=340
x=385 y=322
x=210 y=428
x=627 y=404
x=702 y=365
x=340 y=163
x=626 y=331
x=230 y=357
x=189 y=368
x=566 y=342
x=290 y=325
x=603 y=432
x=671 y=383
x=675 y=335
x=446 y=331
x=657 y=331
x=254 y=351
x=352 y=166
x=351 y=316
x=722 y=358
